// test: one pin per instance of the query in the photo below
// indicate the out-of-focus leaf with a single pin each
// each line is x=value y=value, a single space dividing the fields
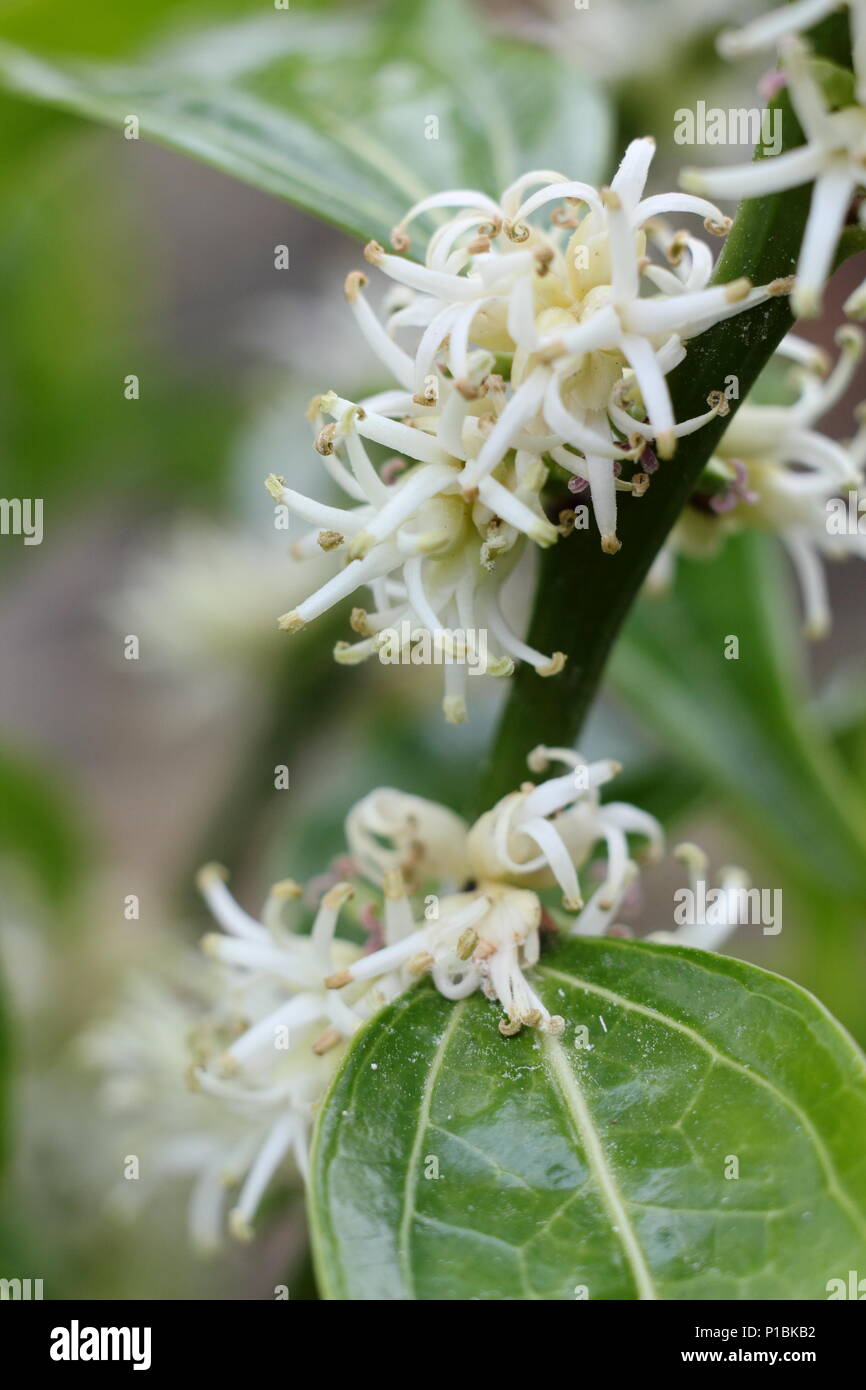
x=704 y=1139
x=80 y=310
x=352 y=115
x=5 y=1073
x=37 y=829
x=745 y=723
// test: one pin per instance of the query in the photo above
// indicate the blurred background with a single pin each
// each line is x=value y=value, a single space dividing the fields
x=119 y=776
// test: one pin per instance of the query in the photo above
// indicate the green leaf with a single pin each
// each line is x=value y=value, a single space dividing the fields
x=5 y=1077
x=745 y=724
x=600 y=1167
x=353 y=117
x=37 y=828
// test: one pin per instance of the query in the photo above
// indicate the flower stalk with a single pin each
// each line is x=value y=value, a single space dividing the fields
x=584 y=596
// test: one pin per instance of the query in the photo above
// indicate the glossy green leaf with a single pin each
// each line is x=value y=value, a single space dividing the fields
x=354 y=116
x=597 y=1171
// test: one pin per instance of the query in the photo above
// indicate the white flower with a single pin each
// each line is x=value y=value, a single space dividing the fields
x=562 y=313
x=486 y=936
x=834 y=157
x=564 y=307
x=164 y=1027
x=216 y=1071
x=774 y=472
x=198 y=599
x=214 y=1075
x=433 y=559
x=289 y=1029
x=796 y=18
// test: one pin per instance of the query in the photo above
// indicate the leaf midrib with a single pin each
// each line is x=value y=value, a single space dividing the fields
x=605 y=1180
x=410 y=1185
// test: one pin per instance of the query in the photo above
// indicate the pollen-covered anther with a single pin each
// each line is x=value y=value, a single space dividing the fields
x=691 y=855
x=610 y=543
x=330 y=540
x=466 y=944
x=338 y=980
x=784 y=285
x=718 y=401
x=469 y=390
x=479 y=247
x=393 y=884
x=359 y=623
x=350 y=419
x=354 y=282
x=374 y=253
x=508 y=1027
x=326 y=1041
x=718 y=226
x=420 y=964
x=400 y=240
x=543 y=261
x=567 y=520
x=209 y=874
x=240 y=1227
x=290 y=622
x=492 y=229
x=554 y=666
x=677 y=248
x=275 y=484
x=287 y=889
x=639 y=484
x=324 y=441
x=517 y=232
x=338 y=896
x=349 y=653
x=538 y=761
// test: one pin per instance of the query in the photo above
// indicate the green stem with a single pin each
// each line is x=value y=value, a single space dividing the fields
x=584 y=595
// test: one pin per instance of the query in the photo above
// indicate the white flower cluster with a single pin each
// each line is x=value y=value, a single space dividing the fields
x=259 y=1038
x=834 y=153
x=535 y=349
x=773 y=471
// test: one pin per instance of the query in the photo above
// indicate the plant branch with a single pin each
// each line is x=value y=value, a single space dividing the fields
x=584 y=595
